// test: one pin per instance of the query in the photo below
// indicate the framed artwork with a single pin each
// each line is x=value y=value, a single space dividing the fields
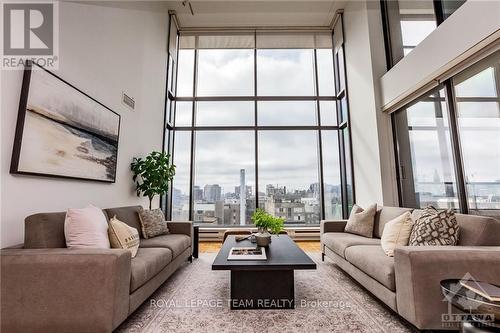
x=63 y=132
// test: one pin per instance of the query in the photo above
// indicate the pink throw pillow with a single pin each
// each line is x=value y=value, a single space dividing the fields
x=86 y=228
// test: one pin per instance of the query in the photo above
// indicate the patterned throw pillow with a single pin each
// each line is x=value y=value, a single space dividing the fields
x=435 y=227
x=123 y=236
x=361 y=221
x=152 y=222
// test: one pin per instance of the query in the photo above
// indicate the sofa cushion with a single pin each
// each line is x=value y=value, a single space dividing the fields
x=146 y=264
x=361 y=220
x=372 y=260
x=384 y=215
x=152 y=222
x=396 y=232
x=175 y=242
x=86 y=228
x=123 y=236
x=339 y=241
x=44 y=230
x=128 y=215
x=435 y=227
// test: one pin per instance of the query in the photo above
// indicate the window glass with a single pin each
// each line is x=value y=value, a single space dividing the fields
x=430 y=151
x=331 y=175
x=185 y=73
x=183 y=113
x=328 y=113
x=276 y=113
x=225 y=113
x=415 y=31
x=288 y=175
x=225 y=73
x=224 y=192
x=326 y=80
x=479 y=127
x=286 y=72
x=348 y=167
x=180 y=189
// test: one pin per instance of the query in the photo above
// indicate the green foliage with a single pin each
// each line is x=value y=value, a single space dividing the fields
x=152 y=174
x=264 y=220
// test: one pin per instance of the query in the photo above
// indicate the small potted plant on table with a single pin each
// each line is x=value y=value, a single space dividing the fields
x=266 y=224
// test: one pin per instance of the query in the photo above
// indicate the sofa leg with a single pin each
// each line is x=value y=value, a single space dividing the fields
x=190 y=259
x=322 y=257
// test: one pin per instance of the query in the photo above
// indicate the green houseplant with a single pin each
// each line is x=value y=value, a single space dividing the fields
x=267 y=224
x=152 y=174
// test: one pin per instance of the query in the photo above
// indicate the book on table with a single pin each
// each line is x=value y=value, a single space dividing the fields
x=247 y=253
x=487 y=290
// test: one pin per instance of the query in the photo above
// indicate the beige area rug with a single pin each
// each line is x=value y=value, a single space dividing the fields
x=195 y=299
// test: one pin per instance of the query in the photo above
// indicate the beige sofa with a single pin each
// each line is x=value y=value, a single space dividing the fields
x=46 y=287
x=409 y=282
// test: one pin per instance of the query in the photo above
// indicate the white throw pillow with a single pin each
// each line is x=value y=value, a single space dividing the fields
x=396 y=233
x=86 y=228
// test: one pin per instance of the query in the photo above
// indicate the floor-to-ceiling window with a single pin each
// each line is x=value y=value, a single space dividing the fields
x=409 y=22
x=260 y=119
x=449 y=143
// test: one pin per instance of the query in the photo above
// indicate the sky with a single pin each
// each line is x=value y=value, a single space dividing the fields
x=286 y=158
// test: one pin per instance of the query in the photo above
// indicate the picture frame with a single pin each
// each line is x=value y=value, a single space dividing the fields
x=63 y=132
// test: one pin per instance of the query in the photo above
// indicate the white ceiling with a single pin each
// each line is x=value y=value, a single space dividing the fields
x=243 y=13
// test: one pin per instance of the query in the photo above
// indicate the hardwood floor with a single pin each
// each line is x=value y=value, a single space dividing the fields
x=210 y=247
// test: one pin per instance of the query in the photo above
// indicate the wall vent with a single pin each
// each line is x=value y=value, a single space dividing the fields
x=128 y=101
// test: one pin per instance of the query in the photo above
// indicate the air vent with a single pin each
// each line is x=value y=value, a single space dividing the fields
x=128 y=101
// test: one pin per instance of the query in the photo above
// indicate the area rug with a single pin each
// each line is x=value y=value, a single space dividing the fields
x=195 y=299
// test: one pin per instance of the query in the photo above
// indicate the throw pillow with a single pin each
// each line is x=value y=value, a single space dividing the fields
x=435 y=227
x=361 y=221
x=86 y=228
x=152 y=222
x=123 y=236
x=396 y=232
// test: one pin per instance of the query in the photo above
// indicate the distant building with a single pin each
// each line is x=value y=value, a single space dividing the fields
x=212 y=193
x=197 y=193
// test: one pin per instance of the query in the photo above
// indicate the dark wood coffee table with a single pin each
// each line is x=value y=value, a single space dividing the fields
x=264 y=284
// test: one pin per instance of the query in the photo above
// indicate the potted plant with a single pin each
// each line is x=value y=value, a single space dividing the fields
x=152 y=174
x=266 y=224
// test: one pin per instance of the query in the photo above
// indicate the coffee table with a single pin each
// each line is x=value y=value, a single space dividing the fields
x=467 y=301
x=264 y=284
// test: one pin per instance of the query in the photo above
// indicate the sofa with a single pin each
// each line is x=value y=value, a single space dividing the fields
x=46 y=287
x=409 y=282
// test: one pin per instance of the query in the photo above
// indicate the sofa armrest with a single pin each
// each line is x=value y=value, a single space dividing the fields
x=181 y=227
x=420 y=269
x=64 y=290
x=332 y=226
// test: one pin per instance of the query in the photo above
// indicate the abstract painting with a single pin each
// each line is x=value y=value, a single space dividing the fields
x=63 y=132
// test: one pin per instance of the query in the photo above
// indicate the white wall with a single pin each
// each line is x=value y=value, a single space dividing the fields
x=374 y=170
x=474 y=21
x=104 y=50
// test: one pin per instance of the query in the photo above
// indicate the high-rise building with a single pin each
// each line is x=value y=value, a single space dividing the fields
x=243 y=197
x=212 y=193
x=197 y=193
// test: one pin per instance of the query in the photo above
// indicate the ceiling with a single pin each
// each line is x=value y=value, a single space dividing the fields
x=241 y=13
x=254 y=13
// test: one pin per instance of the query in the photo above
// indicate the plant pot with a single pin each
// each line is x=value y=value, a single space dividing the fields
x=263 y=238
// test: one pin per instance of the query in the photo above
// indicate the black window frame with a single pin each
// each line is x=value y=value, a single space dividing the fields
x=452 y=108
x=342 y=125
